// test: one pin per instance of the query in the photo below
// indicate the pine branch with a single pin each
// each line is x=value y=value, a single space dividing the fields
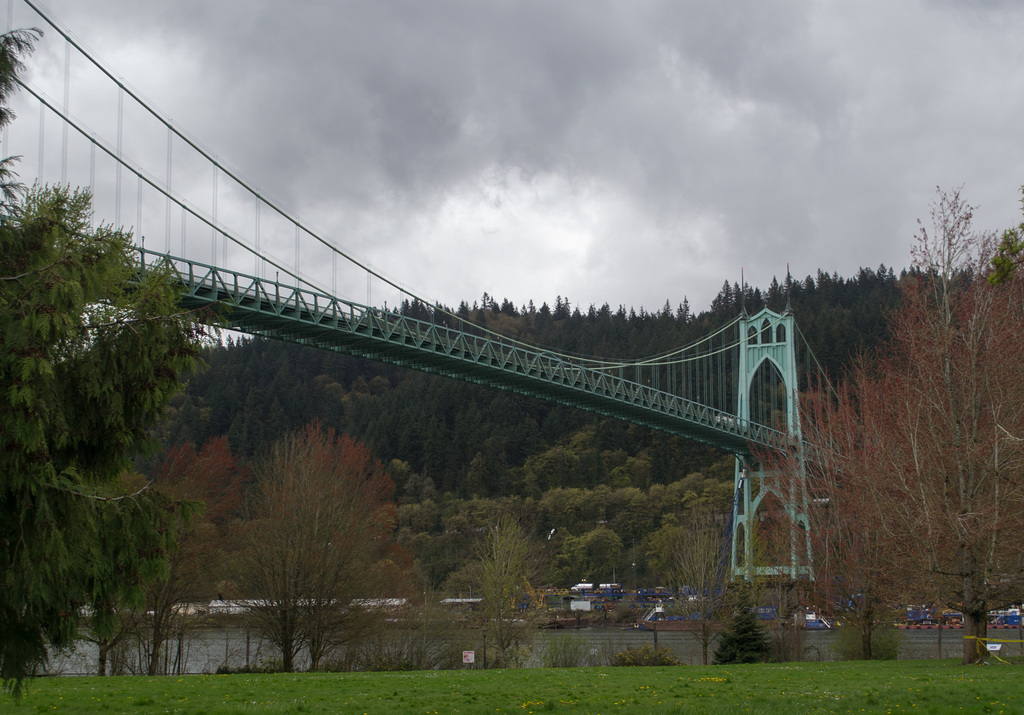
x=97 y=497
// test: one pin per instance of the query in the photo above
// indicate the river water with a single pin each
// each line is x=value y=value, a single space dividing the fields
x=207 y=650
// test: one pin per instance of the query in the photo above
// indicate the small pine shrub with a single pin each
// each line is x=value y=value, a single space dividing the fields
x=646 y=655
x=745 y=640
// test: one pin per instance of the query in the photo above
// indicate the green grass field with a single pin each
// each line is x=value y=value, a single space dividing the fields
x=883 y=687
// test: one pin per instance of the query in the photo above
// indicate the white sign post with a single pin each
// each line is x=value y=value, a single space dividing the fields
x=468 y=657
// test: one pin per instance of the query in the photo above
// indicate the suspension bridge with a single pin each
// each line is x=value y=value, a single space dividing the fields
x=222 y=238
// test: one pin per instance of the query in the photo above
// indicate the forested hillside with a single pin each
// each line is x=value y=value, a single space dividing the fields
x=470 y=440
x=457 y=451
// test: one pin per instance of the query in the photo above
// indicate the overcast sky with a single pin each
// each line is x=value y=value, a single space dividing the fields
x=609 y=152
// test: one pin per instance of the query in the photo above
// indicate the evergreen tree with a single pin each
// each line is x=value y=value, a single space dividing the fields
x=90 y=353
x=745 y=640
x=13 y=46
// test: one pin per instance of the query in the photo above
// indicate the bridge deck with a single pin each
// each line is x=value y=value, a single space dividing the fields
x=259 y=307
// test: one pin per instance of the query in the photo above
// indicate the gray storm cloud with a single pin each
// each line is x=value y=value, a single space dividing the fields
x=620 y=152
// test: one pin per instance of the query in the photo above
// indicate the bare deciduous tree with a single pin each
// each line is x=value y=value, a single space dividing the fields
x=853 y=550
x=690 y=559
x=210 y=477
x=923 y=445
x=505 y=565
x=320 y=526
x=958 y=393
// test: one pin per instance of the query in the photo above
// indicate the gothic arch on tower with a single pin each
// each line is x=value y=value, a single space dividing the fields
x=767 y=394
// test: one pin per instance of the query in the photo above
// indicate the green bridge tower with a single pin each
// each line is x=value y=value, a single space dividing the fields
x=768 y=358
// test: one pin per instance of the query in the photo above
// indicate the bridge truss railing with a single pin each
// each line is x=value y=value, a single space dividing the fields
x=263 y=307
x=212 y=211
x=690 y=382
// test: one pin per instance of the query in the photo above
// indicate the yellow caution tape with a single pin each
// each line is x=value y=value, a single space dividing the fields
x=993 y=653
x=993 y=640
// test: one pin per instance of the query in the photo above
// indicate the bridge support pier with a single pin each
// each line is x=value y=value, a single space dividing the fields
x=752 y=555
x=768 y=357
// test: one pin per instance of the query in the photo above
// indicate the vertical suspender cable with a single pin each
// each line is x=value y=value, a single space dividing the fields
x=257 y=251
x=170 y=154
x=706 y=378
x=67 y=100
x=732 y=388
x=117 y=164
x=691 y=375
x=213 y=235
x=691 y=381
x=722 y=405
x=42 y=135
x=672 y=385
x=702 y=376
x=723 y=368
x=183 y=137
x=728 y=406
x=138 y=212
x=691 y=390
x=697 y=387
x=720 y=397
x=716 y=369
x=92 y=177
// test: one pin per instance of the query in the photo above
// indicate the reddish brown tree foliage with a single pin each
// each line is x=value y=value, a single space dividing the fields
x=211 y=475
x=856 y=555
x=920 y=457
x=317 y=550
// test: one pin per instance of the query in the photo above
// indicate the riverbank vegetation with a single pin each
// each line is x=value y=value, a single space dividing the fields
x=324 y=497
x=591 y=499
x=91 y=350
x=916 y=459
x=871 y=687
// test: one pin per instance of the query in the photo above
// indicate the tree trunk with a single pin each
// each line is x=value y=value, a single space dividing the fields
x=288 y=646
x=104 y=652
x=975 y=612
x=154 y=652
x=288 y=652
x=865 y=639
x=975 y=628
